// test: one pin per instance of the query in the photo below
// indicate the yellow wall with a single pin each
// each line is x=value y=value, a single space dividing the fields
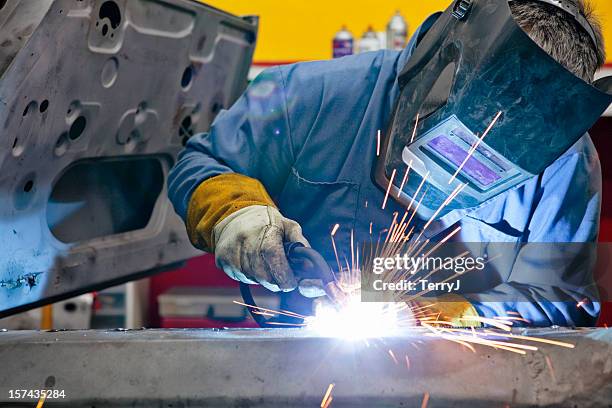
x=293 y=30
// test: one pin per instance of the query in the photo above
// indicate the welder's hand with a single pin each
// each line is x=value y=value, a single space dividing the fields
x=454 y=309
x=249 y=247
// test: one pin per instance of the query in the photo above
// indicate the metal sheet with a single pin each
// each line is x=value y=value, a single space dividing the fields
x=292 y=368
x=97 y=98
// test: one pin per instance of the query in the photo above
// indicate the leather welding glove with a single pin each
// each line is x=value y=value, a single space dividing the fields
x=452 y=308
x=233 y=216
x=249 y=247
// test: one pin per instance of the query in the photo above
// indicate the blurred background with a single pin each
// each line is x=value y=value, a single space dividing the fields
x=295 y=30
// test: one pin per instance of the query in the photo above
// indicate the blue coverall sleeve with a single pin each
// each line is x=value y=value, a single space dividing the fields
x=551 y=282
x=251 y=138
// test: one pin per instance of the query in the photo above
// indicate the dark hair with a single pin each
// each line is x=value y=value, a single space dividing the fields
x=556 y=31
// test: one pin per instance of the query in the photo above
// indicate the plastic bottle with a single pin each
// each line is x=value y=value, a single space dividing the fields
x=397 y=32
x=369 y=41
x=343 y=43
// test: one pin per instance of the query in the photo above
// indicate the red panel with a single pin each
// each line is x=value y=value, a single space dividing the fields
x=605 y=230
x=602 y=137
x=200 y=271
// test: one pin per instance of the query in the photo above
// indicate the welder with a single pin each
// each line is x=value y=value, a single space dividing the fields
x=302 y=151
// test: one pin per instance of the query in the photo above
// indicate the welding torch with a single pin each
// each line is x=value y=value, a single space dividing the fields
x=306 y=263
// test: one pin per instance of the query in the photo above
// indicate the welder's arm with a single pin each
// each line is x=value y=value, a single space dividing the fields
x=555 y=288
x=223 y=182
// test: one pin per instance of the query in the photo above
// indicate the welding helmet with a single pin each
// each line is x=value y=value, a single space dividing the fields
x=474 y=68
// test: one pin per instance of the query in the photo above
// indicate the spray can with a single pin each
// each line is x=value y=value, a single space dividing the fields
x=369 y=41
x=397 y=32
x=343 y=43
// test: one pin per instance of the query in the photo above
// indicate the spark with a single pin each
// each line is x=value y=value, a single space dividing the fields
x=378 y=143
x=485 y=320
x=41 y=401
x=268 y=314
x=425 y=400
x=418 y=190
x=390 y=229
x=275 y=312
x=582 y=303
x=475 y=146
x=466 y=345
x=352 y=251
x=550 y=368
x=335 y=229
x=388 y=189
x=416 y=123
x=333 y=233
x=519 y=337
x=446 y=202
x=518 y=319
x=512 y=347
x=393 y=357
x=399 y=192
x=327 y=396
x=442 y=242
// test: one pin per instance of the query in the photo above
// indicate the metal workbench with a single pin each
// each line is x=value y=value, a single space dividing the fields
x=293 y=368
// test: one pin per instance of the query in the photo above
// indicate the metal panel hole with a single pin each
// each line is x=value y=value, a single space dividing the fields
x=30 y=108
x=28 y=186
x=110 y=10
x=2 y=4
x=70 y=307
x=101 y=197
x=44 y=105
x=77 y=128
x=187 y=77
x=24 y=192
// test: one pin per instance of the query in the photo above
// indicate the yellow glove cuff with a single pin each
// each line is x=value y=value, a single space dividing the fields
x=452 y=308
x=217 y=198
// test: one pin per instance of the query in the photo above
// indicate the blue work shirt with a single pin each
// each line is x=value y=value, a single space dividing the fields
x=308 y=132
